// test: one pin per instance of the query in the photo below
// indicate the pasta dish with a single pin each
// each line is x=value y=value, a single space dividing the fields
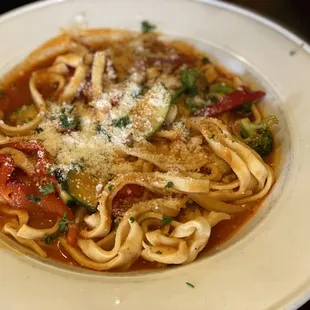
x=123 y=150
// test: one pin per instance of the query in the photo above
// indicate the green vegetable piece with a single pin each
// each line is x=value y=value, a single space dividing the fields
x=258 y=136
x=190 y=285
x=63 y=223
x=205 y=60
x=47 y=189
x=121 y=122
x=39 y=130
x=116 y=223
x=221 y=88
x=67 y=122
x=132 y=219
x=188 y=79
x=166 y=220
x=245 y=108
x=33 y=198
x=169 y=184
x=147 y=26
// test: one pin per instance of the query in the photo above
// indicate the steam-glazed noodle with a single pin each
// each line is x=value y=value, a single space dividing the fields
x=122 y=147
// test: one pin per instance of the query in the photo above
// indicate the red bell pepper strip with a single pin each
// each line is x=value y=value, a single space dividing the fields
x=231 y=101
x=16 y=194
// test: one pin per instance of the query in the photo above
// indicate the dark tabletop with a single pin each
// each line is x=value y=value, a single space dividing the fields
x=292 y=14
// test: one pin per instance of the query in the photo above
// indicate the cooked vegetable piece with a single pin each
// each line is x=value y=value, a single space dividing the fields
x=82 y=187
x=188 y=80
x=221 y=88
x=150 y=112
x=231 y=101
x=258 y=136
x=147 y=26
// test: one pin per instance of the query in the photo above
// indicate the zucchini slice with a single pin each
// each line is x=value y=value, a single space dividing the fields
x=82 y=188
x=149 y=113
x=64 y=196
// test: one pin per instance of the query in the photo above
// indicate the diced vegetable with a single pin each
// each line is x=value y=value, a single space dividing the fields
x=221 y=88
x=231 y=101
x=150 y=112
x=258 y=136
x=64 y=196
x=82 y=188
x=188 y=79
x=147 y=26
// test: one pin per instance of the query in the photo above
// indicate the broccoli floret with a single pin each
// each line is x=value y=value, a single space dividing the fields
x=258 y=136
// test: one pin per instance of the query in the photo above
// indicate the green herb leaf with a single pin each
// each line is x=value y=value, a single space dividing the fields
x=159 y=252
x=110 y=187
x=68 y=122
x=147 y=27
x=205 y=60
x=132 y=219
x=166 y=220
x=245 y=108
x=64 y=222
x=190 y=285
x=62 y=228
x=47 y=189
x=39 y=129
x=212 y=136
x=169 y=184
x=101 y=130
x=33 y=198
x=188 y=79
x=50 y=171
x=116 y=223
x=121 y=122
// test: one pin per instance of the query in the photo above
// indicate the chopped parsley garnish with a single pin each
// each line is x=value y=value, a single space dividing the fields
x=47 y=189
x=205 y=60
x=110 y=187
x=116 y=223
x=62 y=228
x=245 y=108
x=50 y=171
x=159 y=252
x=190 y=285
x=188 y=79
x=33 y=198
x=64 y=222
x=166 y=220
x=39 y=129
x=103 y=132
x=212 y=136
x=132 y=219
x=121 y=122
x=147 y=26
x=169 y=184
x=293 y=53
x=67 y=122
x=212 y=99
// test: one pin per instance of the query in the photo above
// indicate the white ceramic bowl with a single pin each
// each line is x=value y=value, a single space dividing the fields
x=266 y=265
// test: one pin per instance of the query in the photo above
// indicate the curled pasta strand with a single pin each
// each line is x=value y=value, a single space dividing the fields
x=97 y=71
x=10 y=229
x=74 y=84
